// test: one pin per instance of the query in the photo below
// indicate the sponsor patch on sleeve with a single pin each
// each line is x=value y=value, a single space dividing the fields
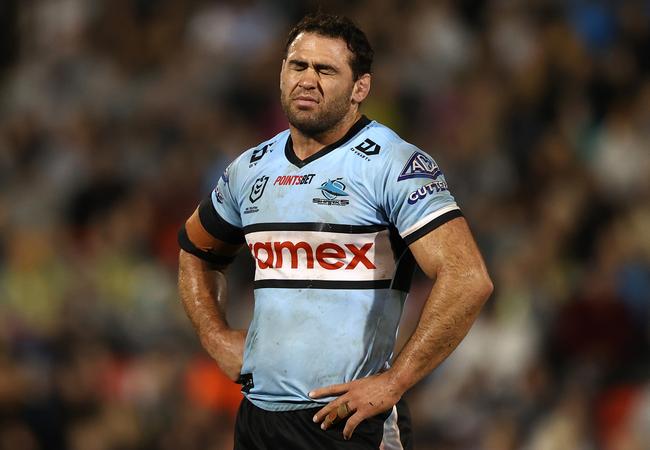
x=427 y=189
x=218 y=194
x=419 y=165
x=225 y=176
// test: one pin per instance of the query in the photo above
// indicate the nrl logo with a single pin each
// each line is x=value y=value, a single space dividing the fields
x=258 y=189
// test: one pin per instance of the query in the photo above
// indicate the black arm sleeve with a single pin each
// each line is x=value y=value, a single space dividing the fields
x=212 y=258
x=217 y=226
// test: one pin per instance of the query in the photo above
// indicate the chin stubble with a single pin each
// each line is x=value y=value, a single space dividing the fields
x=319 y=122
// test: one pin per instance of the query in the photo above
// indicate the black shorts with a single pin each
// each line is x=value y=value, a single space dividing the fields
x=258 y=429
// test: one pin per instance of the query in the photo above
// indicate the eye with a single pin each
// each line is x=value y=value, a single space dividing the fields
x=297 y=66
x=326 y=70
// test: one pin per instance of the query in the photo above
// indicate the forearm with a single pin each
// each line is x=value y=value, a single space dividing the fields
x=203 y=293
x=449 y=312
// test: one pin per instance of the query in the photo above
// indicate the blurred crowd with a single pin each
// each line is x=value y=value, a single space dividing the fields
x=117 y=117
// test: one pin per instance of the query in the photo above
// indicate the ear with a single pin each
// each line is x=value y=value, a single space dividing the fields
x=284 y=60
x=361 y=88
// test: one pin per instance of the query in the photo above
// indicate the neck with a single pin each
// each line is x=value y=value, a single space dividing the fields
x=305 y=145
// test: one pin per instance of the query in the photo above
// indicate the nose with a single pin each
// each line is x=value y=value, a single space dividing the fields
x=308 y=79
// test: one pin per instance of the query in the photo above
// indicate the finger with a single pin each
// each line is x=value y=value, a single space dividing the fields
x=341 y=412
x=351 y=424
x=325 y=410
x=327 y=391
x=334 y=412
x=330 y=419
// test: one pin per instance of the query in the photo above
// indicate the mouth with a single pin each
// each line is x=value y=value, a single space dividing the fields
x=305 y=101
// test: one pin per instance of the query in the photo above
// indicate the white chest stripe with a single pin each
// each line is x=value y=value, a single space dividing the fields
x=316 y=255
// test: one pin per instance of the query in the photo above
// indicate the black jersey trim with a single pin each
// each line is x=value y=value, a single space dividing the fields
x=217 y=226
x=293 y=159
x=323 y=284
x=404 y=262
x=212 y=258
x=314 y=226
x=435 y=223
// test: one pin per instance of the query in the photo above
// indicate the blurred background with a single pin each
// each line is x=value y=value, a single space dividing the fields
x=117 y=117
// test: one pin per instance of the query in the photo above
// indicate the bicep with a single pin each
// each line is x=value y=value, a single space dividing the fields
x=449 y=249
x=196 y=241
x=203 y=239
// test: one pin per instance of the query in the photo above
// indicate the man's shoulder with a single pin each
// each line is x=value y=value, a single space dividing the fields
x=387 y=143
x=257 y=154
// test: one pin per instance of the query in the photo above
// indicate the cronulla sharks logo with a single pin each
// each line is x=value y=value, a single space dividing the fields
x=332 y=190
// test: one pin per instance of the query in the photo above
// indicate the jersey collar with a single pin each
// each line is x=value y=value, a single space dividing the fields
x=293 y=159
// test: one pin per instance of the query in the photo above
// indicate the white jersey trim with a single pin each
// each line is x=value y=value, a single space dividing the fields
x=428 y=218
x=391 y=439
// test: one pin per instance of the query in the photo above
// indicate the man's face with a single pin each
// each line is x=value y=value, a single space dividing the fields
x=316 y=83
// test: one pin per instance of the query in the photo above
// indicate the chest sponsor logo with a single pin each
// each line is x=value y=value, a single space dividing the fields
x=303 y=255
x=258 y=189
x=293 y=180
x=419 y=165
x=321 y=255
x=332 y=190
x=427 y=189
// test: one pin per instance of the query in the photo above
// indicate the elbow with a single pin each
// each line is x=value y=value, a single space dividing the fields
x=483 y=286
x=488 y=287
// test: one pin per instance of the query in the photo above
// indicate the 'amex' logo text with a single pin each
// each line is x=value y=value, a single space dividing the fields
x=328 y=255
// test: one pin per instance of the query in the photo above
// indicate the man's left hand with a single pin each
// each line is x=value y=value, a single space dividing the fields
x=358 y=400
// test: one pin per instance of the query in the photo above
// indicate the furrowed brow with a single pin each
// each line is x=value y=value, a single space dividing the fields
x=320 y=67
x=325 y=67
x=298 y=63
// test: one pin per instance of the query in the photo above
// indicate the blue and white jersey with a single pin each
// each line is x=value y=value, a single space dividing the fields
x=329 y=237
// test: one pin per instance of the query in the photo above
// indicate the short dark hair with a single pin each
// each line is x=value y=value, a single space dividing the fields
x=334 y=26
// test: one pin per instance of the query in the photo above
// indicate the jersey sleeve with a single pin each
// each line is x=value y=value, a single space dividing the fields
x=215 y=228
x=415 y=195
x=225 y=204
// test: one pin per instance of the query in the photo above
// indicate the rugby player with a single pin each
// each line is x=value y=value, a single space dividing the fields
x=335 y=211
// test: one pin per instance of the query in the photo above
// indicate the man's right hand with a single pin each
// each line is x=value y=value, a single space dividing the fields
x=226 y=347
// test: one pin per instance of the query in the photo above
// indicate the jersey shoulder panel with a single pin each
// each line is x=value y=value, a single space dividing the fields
x=258 y=154
x=229 y=193
x=392 y=149
x=400 y=157
x=375 y=143
x=412 y=188
x=239 y=171
x=385 y=133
